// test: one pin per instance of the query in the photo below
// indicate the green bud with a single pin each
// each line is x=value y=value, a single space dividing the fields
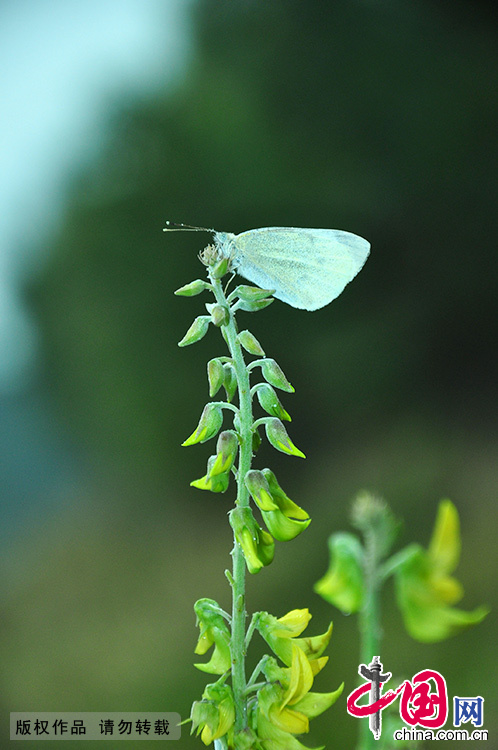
x=219 y=269
x=278 y=437
x=212 y=481
x=372 y=515
x=250 y=343
x=197 y=330
x=286 y=519
x=229 y=381
x=272 y=373
x=216 y=375
x=256 y=441
x=213 y=631
x=219 y=315
x=209 y=425
x=343 y=584
x=226 y=453
x=270 y=403
x=257 y=545
x=214 y=716
x=246 y=739
x=259 y=490
x=251 y=293
x=256 y=305
x=193 y=289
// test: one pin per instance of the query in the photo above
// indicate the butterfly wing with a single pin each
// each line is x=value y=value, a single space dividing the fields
x=308 y=268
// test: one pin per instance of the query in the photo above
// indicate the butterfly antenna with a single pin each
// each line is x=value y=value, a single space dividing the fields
x=171 y=226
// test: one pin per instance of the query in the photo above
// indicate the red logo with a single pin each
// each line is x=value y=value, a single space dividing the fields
x=424 y=699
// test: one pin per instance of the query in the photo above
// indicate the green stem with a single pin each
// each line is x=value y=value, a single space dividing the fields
x=237 y=644
x=370 y=629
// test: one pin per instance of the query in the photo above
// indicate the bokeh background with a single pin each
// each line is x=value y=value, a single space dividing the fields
x=376 y=117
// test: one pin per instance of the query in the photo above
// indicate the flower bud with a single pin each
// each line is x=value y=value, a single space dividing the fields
x=269 y=401
x=251 y=293
x=216 y=375
x=256 y=441
x=257 y=545
x=343 y=584
x=287 y=519
x=219 y=268
x=209 y=425
x=219 y=315
x=256 y=305
x=213 y=631
x=259 y=490
x=278 y=437
x=214 y=716
x=272 y=373
x=229 y=381
x=197 y=330
x=250 y=343
x=212 y=482
x=226 y=452
x=193 y=289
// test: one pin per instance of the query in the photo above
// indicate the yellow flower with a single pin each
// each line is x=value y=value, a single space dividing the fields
x=214 y=631
x=425 y=590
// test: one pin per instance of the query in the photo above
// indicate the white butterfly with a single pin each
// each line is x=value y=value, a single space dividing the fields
x=307 y=268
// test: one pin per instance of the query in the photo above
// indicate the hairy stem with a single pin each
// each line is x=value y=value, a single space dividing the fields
x=237 y=646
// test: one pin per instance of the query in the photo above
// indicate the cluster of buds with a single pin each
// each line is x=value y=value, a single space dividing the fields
x=282 y=517
x=282 y=704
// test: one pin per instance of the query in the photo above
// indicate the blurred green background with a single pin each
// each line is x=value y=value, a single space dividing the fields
x=375 y=117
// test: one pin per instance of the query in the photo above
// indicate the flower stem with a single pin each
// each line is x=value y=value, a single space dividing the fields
x=370 y=629
x=237 y=644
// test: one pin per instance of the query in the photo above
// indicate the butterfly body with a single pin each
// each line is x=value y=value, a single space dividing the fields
x=307 y=268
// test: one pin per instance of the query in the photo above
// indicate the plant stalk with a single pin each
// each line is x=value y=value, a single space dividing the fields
x=370 y=628
x=237 y=643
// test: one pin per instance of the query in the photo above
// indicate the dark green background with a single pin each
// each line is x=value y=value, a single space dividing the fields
x=375 y=117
